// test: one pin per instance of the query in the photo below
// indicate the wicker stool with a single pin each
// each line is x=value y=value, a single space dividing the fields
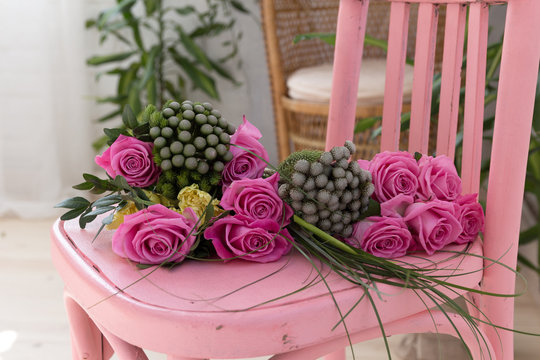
x=301 y=123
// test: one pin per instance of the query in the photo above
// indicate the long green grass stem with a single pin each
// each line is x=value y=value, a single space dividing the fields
x=323 y=235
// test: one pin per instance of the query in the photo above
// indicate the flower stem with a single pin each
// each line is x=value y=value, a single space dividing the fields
x=323 y=235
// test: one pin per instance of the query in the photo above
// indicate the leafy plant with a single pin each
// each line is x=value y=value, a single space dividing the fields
x=161 y=55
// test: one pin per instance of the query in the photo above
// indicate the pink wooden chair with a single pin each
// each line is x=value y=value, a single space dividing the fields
x=214 y=310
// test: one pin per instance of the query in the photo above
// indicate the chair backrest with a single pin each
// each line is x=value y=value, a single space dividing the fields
x=283 y=20
x=513 y=117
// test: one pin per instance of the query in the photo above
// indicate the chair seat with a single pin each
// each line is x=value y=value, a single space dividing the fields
x=314 y=83
x=223 y=310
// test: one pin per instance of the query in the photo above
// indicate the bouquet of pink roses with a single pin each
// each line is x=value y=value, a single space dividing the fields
x=184 y=183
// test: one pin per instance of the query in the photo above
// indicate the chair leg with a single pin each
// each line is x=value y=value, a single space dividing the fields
x=86 y=339
x=122 y=349
x=336 y=355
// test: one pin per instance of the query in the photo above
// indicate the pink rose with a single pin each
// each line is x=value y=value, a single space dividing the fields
x=132 y=159
x=257 y=199
x=393 y=173
x=433 y=224
x=471 y=217
x=382 y=236
x=438 y=179
x=253 y=240
x=155 y=235
x=396 y=206
x=245 y=164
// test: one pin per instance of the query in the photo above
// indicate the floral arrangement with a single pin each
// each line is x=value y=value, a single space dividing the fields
x=183 y=183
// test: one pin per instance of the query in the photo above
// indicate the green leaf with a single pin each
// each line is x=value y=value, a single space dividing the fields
x=222 y=72
x=90 y=23
x=83 y=186
x=151 y=6
x=209 y=213
x=239 y=6
x=100 y=210
x=126 y=80
x=212 y=29
x=73 y=203
x=144 y=266
x=128 y=118
x=151 y=90
x=200 y=80
x=121 y=6
x=108 y=200
x=141 y=129
x=112 y=99
x=109 y=116
x=149 y=69
x=194 y=49
x=72 y=214
x=113 y=134
x=104 y=59
x=417 y=156
x=186 y=10
x=134 y=99
x=366 y=123
x=329 y=38
x=121 y=182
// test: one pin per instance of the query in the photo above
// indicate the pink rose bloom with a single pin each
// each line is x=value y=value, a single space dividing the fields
x=257 y=199
x=396 y=206
x=155 y=235
x=471 y=217
x=433 y=224
x=393 y=173
x=132 y=159
x=438 y=179
x=385 y=237
x=245 y=164
x=252 y=240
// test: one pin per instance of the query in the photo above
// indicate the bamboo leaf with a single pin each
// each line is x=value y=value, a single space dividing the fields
x=223 y=72
x=151 y=6
x=366 y=123
x=239 y=6
x=109 y=116
x=194 y=49
x=104 y=59
x=149 y=68
x=121 y=6
x=200 y=80
x=186 y=10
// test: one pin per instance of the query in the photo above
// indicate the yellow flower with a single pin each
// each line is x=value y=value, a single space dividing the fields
x=192 y=197
x=118 y=218
x=159 y=199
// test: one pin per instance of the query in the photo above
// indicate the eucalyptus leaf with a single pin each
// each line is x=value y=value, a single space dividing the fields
x=108 y=200
x=83 y=186
x=72 y=214
x=100 y=210
x=73 y=203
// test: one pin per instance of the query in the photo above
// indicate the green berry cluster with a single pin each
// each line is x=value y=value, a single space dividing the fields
x=329 y=192
x=191 y=143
